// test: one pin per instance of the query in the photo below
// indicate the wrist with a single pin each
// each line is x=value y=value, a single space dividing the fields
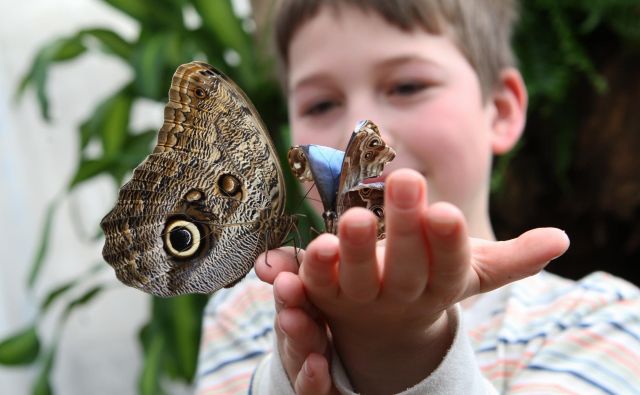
x=390 y=358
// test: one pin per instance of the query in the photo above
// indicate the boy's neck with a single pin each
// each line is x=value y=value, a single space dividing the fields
x=481 y=227
x=478 y=219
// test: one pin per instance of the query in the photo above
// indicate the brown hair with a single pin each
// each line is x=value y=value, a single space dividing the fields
x=481 y=29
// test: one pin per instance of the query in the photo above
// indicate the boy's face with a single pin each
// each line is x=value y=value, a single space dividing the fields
x=417 y=87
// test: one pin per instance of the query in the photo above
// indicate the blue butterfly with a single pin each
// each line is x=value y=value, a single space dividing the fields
x=339 y=176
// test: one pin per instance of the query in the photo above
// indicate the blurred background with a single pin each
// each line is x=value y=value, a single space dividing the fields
x=82 y=88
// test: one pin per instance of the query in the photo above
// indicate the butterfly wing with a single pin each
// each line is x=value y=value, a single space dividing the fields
x=371 y=197
x=208 y=200
x=321 y=165
x=365 y=157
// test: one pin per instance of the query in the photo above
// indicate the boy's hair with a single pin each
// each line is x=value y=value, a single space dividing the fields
x=481 y=29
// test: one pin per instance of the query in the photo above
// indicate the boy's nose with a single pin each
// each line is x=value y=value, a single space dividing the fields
x=362 y=105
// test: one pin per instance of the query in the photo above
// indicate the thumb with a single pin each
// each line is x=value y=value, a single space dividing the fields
x=498 y=263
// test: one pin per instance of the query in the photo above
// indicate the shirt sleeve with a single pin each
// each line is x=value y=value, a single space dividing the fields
x=237 y=334
x=270 y=377
x=562 y=337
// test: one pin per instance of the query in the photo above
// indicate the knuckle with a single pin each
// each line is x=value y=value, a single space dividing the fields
x=360 y=295
x=408 y=290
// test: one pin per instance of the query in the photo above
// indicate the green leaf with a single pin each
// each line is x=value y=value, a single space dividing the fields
x=137 y=9
x=42 y=385
x=179 y=319
x=83 y=299
x=111 y=42
x=210 y=45
x=114 y=115
x=87 y=132
x=149 y=383
x=136 y=148
x=157 y=15
x=57 y=292
x=149 y=64
x=43 y=382
x=219 y=18
x=21 y=348
x=110 y=121
x=62 y=49
x=89 y=168
x=43 y=245
x=66 y=49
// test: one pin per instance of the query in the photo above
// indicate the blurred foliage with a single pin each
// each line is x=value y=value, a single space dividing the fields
x=558 y=54
x=576 y=165
x=554 y=43
x=166 y=39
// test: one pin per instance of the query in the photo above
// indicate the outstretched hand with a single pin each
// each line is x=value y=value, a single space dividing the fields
x=390 y=298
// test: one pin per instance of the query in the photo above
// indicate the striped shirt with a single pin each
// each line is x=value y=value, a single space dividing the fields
x=541 y=335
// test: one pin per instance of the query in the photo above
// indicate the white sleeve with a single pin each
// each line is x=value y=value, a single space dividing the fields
x=270 y=377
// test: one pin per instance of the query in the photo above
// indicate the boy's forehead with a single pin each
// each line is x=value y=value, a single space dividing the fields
x=329 y=41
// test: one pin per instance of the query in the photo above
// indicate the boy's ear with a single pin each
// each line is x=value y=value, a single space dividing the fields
x=510 y=102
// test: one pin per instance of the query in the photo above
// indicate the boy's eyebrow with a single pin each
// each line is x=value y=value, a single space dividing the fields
x=404 y=59
x=309 y=80
x=382 y=66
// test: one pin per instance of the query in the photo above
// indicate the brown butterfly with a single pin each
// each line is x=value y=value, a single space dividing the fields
x=210 y=198
x=339 y=175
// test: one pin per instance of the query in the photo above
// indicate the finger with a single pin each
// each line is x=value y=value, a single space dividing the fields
x=358 y=271
x=288 y=292
x=450 y=252
x=406 y=260
x=500 y=263
x=302 y=336
x=319 y=268
x=314 y=377
x=273 y=262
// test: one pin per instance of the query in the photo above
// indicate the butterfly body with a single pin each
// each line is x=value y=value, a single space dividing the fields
x=339 y=175
x=210 y=198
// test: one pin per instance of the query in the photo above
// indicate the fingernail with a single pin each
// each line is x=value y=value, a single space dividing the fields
x=443 y=219
x=445 y=226
x=326 y=254
x=403 y=194
x=307 y=370
x=359 y=231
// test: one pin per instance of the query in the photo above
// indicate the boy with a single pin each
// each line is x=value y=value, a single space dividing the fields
x=438 y=78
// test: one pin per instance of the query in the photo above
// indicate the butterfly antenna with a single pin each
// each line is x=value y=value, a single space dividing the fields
x=314 y=230
x=305 y=196
x=296 y=249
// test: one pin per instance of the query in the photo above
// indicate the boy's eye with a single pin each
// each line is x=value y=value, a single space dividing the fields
x=320 y=108
x=407 y=88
